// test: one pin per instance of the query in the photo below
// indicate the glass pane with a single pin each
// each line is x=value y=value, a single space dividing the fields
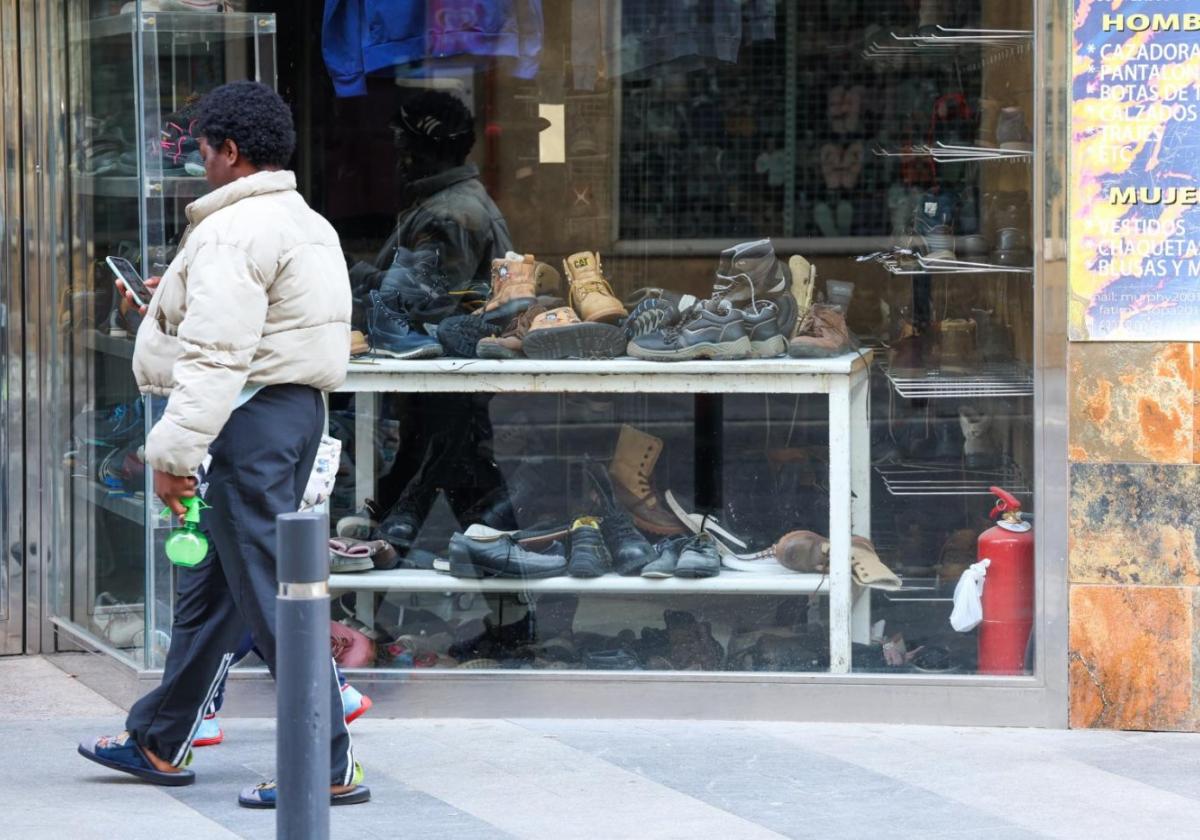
x=841 y=191
x=134 y=79
x=885 y=145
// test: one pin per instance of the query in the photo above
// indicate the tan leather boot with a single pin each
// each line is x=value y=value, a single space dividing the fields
x=590 y=293
x=516 y=282
x=631 y=468
x=822 y=334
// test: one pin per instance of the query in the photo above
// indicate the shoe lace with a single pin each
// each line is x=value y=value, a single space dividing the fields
x=618 y=527
x=583 y=288
x=686 y=319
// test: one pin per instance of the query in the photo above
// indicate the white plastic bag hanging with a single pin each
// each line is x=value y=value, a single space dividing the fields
x=968 y=597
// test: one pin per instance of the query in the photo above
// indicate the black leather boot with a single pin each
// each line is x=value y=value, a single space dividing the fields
x=629 y=548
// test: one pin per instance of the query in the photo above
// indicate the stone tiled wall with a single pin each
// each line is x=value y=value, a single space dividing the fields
x=1133 y=522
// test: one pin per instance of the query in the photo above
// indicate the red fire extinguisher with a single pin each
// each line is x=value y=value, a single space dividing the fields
x=1008 y=589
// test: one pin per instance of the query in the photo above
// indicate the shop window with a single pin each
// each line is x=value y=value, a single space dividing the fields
x=783 y=255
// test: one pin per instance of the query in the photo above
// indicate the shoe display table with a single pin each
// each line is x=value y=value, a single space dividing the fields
x=845 y=379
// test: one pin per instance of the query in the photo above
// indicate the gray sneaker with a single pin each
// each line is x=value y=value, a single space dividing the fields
x=699 y=558
x=668 y=556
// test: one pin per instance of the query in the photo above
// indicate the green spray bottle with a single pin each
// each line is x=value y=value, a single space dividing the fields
x=187 y=546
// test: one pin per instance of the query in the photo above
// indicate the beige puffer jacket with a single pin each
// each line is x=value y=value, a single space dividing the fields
x=257 y=295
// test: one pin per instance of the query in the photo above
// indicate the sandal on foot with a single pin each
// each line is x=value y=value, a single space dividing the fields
x=264 y=794
x=122 y=753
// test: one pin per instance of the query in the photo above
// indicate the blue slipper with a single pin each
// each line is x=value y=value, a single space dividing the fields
x=263 y=795
x=122 y=753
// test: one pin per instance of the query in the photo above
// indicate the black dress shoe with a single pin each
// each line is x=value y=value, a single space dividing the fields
x=629 y=548
x=500 y=557
x=589 y=555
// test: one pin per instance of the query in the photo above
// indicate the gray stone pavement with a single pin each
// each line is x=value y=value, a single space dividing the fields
x=643 y=780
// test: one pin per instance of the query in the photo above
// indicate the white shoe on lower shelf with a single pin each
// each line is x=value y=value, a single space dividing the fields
x=697 y=523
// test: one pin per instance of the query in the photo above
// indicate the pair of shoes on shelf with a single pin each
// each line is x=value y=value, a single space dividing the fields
x=584 y=329
x=685 y=556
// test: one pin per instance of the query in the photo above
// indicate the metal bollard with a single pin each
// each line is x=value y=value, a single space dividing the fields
x=302 y=675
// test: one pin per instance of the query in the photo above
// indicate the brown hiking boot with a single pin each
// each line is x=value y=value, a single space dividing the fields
x=515 y=284
x=510 y=344
x=822 y=334
x=630 y=470
x=559 y=334
x=590 y=293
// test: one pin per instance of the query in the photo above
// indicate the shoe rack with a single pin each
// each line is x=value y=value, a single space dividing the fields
x=996 y=50
x=844 y=380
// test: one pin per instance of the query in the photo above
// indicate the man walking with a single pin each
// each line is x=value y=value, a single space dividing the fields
x=250 y=323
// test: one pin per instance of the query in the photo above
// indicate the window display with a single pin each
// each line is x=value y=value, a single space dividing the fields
x=687 y=338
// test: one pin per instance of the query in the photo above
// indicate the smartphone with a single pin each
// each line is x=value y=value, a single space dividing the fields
x=125 y=271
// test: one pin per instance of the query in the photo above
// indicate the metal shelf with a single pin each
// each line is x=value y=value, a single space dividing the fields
x=986 y=380
x=933 y=478
x=728 y=582
x=129 y=186
x=127 y=506
x=181 y=23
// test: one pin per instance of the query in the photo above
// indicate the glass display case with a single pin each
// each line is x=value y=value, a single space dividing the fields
x=135 y=74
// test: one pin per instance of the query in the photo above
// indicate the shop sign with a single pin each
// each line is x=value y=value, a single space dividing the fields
x=1135 y=171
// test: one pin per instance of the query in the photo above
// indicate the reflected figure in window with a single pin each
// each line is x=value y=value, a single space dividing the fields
x=436 y=264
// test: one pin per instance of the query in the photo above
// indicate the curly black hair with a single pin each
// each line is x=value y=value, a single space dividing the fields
x=439 y=123
x=251 y=115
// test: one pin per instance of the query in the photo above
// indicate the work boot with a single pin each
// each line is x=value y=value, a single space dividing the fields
x=515 y=282
x=630 y=550
x=632 y=465
x=762 y=325
x=559 y=334
x=754 y=262
x=713 y=329
x=460 y=335
x=589 y=557
x=590 y=294
x=822 y=334
x=391 y=333
x=510 y=344
x=979 y=443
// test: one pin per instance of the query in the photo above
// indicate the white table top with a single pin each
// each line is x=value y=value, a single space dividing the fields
x=783 y=375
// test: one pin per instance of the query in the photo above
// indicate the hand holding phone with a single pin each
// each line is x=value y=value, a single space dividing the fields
x=132 y=281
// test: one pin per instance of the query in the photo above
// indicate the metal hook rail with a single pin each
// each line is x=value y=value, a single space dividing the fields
x=906 y=261
x=945 y=38
x=948 y=153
